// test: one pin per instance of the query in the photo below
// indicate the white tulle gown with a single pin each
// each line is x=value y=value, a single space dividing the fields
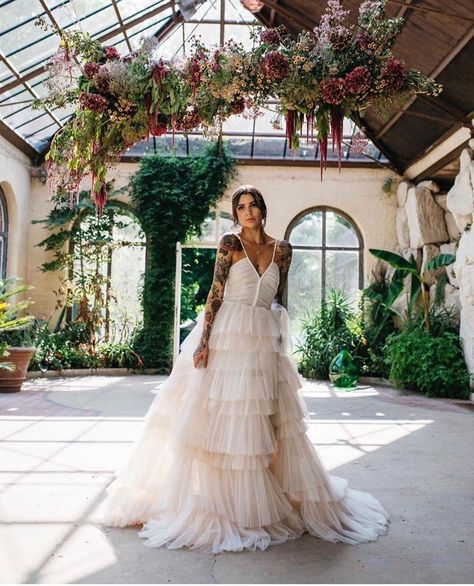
x=223 y=462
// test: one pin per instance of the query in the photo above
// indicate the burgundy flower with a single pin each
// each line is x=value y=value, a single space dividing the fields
x=274 y=66
x=158 y=129
x=111 y=53
x=271 y=37
x=365 y=42
x=91 y=69
x=100 y=198
x=130 y=57
x=333 y=90
x=93 y=102
x=340 y=38
x=188 y=122
x=358 y=80
x=393 y=75
x=238 y=106
x=159 y=72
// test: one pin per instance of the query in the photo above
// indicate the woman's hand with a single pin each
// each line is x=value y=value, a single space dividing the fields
x=201 y=355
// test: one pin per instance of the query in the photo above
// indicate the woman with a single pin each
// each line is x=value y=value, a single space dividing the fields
x=223 y=462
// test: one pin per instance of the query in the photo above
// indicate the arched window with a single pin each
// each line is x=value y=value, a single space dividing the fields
x=327 y=253
x=3 y=235
x=121 y=266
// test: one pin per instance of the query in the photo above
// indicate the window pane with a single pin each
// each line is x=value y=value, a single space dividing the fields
x=209 y=229
x=339 y=231
x=226 y=223
x=304 y=286
x=238 y=147
x=128 y=267
x=269 y=147
x=240 y=33
x=308 y=230
x=342 y=271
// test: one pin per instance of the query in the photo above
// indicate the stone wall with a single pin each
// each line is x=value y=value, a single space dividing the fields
x=429 y=223
x=460 y=203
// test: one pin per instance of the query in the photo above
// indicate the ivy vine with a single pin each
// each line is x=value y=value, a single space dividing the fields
x=171 y=197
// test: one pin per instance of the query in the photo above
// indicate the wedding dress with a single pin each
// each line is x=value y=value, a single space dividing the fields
x=223 y=462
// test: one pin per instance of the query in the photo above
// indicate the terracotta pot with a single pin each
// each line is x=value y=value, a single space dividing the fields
x=11 y=382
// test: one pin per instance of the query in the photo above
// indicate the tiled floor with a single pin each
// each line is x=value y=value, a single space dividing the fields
x=61 y=439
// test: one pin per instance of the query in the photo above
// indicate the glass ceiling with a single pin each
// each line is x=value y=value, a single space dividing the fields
x=25 y=47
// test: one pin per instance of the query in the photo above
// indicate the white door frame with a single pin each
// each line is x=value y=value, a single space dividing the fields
x=177 y=286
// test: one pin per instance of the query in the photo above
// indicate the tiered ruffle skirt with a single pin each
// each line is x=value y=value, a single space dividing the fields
x=223 y=462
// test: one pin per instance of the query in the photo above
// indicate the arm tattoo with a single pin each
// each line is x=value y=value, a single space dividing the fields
x=228 y=243
x=285 y=253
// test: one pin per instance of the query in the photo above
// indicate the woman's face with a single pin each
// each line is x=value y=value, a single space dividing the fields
x=248 y=213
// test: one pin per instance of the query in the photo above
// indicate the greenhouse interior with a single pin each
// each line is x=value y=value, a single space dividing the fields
x=128 y=129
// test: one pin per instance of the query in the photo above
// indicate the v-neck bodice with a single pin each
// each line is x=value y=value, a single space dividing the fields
x=244 y=284
x=248 y=258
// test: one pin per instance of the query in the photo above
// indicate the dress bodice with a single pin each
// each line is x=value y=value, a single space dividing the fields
x=244 y=284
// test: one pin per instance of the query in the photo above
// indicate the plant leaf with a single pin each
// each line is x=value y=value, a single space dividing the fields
x=394 y=260
x=442 y=260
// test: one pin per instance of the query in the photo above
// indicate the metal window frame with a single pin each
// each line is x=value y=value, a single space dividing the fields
x=324 y=247
x=4 y=234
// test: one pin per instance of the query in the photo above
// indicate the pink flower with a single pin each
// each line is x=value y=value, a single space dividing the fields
x=358 y=80
x=253 y=5
x=111 y=53
x=333 y=90
x=274 y=66
x=216 y=66
x=93 y=102
x=271 y=37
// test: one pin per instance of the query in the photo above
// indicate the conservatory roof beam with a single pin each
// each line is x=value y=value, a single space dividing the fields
x=105 y=37
x=439 y=154
x=119 y=18
x=298 y=18
x=444 y=63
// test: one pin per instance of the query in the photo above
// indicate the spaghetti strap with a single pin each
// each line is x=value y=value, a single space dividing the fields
x=274 y=250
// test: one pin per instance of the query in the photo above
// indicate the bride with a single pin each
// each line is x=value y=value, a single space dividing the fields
x=223 y=462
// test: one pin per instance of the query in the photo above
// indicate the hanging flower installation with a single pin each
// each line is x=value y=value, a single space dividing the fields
x=317 y=79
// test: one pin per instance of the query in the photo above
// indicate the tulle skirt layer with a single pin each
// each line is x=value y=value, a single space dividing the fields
x=223 y=462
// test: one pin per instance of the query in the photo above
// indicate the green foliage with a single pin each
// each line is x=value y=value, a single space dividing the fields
x=408 y=268
x=432 y=364
x=331 y=329
x=377 y=323
x=198 y=267
x=13 y=325
x=171 y=196
x=90 y=236
x=69 y=348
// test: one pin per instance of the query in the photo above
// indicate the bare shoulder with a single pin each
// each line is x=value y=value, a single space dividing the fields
x=229 y=243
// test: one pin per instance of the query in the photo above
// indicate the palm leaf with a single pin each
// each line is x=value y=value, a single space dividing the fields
x=394 y=260
x=442 y=260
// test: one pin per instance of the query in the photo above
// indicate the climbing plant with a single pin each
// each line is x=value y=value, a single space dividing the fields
x=171 y=196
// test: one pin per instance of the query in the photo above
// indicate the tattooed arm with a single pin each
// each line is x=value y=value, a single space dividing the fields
x=227 y=245
x=285 y=252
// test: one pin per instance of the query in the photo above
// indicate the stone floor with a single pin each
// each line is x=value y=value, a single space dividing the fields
x=62 y=438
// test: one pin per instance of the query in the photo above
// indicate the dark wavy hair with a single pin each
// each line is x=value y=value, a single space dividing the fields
x=250 y=190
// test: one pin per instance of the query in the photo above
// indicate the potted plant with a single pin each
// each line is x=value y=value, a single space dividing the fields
x=16 y=336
